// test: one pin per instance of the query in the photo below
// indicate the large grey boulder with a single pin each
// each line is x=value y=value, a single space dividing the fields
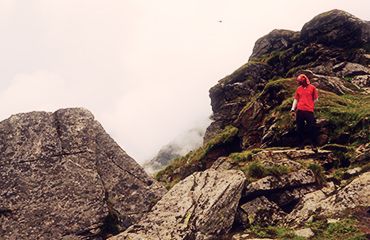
x=329 y=203
x=271 y=184
x=355 y=194
x=202 y=206
x=336 y=28
x=63 y=177
x=259 y=211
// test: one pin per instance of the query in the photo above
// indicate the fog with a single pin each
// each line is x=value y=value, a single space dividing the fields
x=143 y=68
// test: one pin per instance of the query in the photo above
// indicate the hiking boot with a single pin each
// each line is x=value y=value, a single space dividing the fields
x=314 y=149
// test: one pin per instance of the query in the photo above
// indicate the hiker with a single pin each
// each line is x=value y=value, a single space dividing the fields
x=303 y=110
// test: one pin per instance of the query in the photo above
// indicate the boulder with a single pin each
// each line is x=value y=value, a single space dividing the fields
x=288 y=199
x=328 y=203
x=201 y=206
x=355 y=194
x=348 y=69
x=222 y=163
x=307 y=207
x=289 y=157
x=259 y=211
x=336 y=28
x=61 y=175
x=362 y=154
x=361 y=81
x=276 y=40
x=269 y=184
x=305 y=233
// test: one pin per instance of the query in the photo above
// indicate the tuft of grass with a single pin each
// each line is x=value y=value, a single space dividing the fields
x=319 y=173
x=338 y=174
x=278 y=170
x=224 y=137
x=343 y=229
x=274 y=232
x=244 y=156
x=256 y=170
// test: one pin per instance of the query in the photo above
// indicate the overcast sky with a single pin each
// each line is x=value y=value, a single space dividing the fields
x=142 y=67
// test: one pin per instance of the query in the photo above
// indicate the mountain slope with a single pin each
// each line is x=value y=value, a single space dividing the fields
x=289 y=194
x=256 y=98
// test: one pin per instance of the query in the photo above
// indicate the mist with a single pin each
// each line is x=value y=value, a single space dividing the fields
x=143 y=68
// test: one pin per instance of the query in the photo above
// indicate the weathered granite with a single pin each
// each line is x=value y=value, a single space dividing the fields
x=62 y=176
x=202 y=206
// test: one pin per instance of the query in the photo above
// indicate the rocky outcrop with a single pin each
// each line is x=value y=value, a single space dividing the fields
x=337 y=28
x=272 y=183
x=290 y=157
x=355 y=194
x=286 y=186
x=328 y=203
x=63 y=177
x=260 y=211
x=202 y=206
x=332 y=47
x=233 y=92
x=277 y=40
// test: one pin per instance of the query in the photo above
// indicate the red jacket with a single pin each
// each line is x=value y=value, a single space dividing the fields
x=306 y=97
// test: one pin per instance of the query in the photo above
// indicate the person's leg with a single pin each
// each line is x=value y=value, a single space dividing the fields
x=300 y=128
x=311 y=125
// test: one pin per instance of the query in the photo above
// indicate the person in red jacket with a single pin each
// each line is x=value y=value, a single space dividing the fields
x=303 y=110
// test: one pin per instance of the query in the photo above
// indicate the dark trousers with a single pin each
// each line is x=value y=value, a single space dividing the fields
x=306 y=125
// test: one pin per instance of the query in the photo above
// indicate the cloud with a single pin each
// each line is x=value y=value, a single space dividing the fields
x=142 y=67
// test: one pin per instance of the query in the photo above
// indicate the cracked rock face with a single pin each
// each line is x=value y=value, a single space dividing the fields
x=260 y=211
x=328 y=203
x=271 y=183
x=63 y=177
x=201 y=206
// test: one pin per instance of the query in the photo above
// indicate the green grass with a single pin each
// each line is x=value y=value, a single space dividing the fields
x=343 y=229
x=345 y=113
x=244 y=156
x=338 y=174
x=319 y=173
x=255 y=170
x=275 y=232
x=287 y=85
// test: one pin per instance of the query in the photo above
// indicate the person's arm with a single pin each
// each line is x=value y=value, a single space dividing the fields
x=315 y=95
x=294 y=105
x=295 y=101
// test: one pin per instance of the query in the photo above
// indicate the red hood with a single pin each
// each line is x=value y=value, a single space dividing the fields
x=303 y=78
